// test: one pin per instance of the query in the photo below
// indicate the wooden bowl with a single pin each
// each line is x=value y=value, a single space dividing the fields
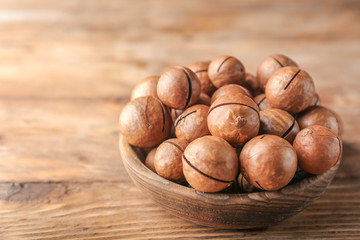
x=240 y=211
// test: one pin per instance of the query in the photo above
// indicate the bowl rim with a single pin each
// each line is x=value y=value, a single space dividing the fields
x=131 y=159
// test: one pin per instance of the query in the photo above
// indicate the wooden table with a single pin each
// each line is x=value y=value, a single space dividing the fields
x=66 y=70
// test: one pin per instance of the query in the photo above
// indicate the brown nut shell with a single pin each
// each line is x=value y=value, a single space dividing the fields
x=252 y=84
x=210 y=164
x=262 y=102
x=278 y=122
x=291 y=89
x=230 y=89
x=145 y=122
x=147 y=87
x=201 y=70
x=299 y=175
x=234 y=118
x=268 y=162
x=225 y=70
x=149 y=160
x=192 y=123
x=270 y=65
x=204 y=99
x=167 y=160
x=316 y=100
x=175 y=113
x=244 y=186
x=319 y=115
x=318 y=149
x=178 y=87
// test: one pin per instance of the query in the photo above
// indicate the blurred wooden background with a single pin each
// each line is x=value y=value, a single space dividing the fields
x=66 y=70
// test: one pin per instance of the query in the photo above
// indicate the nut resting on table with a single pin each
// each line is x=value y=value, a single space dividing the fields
x=214 y=127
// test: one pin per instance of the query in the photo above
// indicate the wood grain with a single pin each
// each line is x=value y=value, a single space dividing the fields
x=66 y=70
x=118 y=210
x=65 y=140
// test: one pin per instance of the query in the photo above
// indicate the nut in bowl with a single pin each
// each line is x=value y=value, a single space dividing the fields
x=251 y=183
x=225 y=210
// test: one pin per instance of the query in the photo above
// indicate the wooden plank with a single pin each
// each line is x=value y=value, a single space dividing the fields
x=92 y=49
x=67 y=140
x=119 y=210
x=67 y=67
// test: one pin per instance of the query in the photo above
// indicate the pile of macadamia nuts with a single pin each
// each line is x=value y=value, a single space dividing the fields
x=214 y=127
